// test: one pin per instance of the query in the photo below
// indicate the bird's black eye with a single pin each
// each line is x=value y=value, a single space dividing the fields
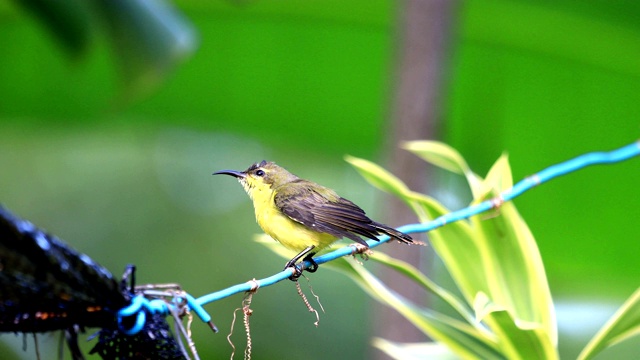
x=260 y=173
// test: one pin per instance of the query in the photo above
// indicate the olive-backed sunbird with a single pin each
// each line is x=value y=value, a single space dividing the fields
x=304 y=216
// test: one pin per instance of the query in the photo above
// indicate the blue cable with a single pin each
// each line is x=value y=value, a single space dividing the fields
x=549 y=173
x=139 y=304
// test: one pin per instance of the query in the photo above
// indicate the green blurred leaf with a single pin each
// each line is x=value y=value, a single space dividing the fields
x=463 y=339
x=498 y=178
x=439 y=154
x=378 y=176
x=273 y=245
x=149 y=39
x=414 y=274
x=403 y=351
x=624 y=324
x=68 y=21
x=446 y=157
x=385 y=181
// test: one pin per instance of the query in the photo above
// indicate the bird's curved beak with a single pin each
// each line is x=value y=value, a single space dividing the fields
x=234 y=173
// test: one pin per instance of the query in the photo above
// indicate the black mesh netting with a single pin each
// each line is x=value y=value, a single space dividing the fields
x=154 y=341
x=45 y=285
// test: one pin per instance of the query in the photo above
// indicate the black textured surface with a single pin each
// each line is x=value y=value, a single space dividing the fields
x=154 y=341
x=46 y=285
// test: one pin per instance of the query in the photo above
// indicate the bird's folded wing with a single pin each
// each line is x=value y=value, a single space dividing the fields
x=323 y=210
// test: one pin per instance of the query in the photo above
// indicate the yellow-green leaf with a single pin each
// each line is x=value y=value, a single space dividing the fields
x=418 y=351
x=517 y=339
x=383 y=180
x=513 y=266
x=624 y=324
x=463 y=339
x=446 y=157
x=419 y=278
x=498 y=178
x=456 y=246
x=439 y=154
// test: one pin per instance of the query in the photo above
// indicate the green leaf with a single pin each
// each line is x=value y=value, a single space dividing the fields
x=274 y=246
x=518 y=339
x=463 y=339
x=384 y=180
x=439 y=154
x=418 y=351
x=69 y=21
x=419 y=278
x=624 y=324
x=496 y=254
x=514 y=270
x=378 y=176
x=459 y=250
x=498 y=179
x=446 y=157
x=149 y=39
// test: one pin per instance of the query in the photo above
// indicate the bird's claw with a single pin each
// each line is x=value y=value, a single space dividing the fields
x=297 y=270
x=314 y=265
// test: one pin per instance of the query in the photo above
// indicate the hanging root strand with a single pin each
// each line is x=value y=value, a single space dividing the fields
x=247 y=312
x=307 y=304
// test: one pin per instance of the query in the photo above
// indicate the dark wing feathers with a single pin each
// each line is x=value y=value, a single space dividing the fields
x=400 y=236
x=323 y=210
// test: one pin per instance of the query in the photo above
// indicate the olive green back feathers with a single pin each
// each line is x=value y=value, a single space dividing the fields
x=323 y=210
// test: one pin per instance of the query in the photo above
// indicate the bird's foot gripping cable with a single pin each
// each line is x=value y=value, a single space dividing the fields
x=307 y=264
x=297 y=272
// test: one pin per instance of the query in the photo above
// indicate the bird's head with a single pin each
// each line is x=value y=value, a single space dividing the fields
x=261 y=176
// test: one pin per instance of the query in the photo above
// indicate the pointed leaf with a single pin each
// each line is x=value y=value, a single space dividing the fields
x=463 y=339
x=496 y=255
x=624 y=324
x=438 y=154
x=382 y=179
x=419 y=278
x=378 y=176
x=517 y=339
x=513 y=266
x=459 y=250
x=446 y=157
x=499 y=176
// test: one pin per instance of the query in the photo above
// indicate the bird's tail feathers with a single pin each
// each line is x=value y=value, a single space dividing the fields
x=402 y=237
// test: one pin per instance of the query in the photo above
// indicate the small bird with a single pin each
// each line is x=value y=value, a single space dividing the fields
x=304 y=216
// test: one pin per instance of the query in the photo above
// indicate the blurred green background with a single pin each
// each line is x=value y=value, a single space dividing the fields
x=120 y=167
